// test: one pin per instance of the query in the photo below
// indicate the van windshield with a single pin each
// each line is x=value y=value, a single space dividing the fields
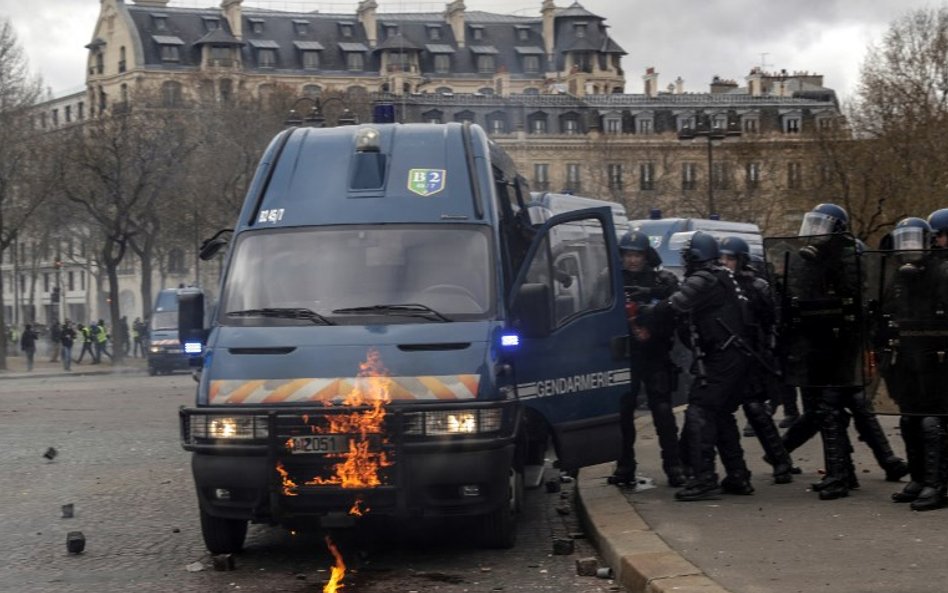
x=165 y=315
x=359 y=275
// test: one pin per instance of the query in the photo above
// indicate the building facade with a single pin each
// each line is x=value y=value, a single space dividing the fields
x=549 y=88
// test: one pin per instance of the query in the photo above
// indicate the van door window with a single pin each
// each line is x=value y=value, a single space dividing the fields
x=574 y=262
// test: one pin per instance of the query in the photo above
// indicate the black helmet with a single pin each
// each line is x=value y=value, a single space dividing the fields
x=824 y=219
x=734 y=246
x=938 y=220
x=634 y=241
x=701 y=248
x=912 y=234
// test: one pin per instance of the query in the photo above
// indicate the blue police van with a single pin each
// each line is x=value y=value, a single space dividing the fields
x=164 y=352
x=402 y=328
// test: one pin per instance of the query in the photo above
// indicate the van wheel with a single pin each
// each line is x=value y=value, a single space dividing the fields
x=223 y=536
x=499 y=528
x=152 y=371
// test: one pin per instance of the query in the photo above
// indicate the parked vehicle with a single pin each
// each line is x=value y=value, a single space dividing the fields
x=400 y=330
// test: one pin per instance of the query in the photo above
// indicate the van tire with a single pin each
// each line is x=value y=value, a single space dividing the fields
x=152 y=371
x=223 y=536
x=498 y=529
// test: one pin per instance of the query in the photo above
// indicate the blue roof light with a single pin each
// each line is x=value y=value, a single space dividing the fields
x=509 y=340
x=192 y=347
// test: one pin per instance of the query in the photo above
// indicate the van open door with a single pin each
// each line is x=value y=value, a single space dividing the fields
x=572 y=364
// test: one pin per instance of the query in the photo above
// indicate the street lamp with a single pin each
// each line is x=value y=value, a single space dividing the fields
x=315 y=118
x=715 y=135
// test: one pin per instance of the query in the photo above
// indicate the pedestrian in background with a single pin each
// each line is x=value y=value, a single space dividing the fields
x=28 y=345
x=85 y=332
x=101 y=336
x=54 y=340
x=67 y=336
x=122 y=343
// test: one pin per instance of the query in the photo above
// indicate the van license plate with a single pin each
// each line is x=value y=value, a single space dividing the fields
x=320 y=444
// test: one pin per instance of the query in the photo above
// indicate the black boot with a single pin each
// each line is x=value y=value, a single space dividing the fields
x=835 y=454
x=870 y=431
x=737 y=484
x=676 y=476
x=624 y=474
x=700 y=488
x=932 y=495
x=701 y=433
x=911 y=429
x=909 y=493
x=775 y=453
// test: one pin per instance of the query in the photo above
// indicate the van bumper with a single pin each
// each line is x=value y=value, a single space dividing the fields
x=427 y=478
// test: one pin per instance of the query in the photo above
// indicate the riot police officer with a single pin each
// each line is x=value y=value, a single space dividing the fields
x=938 y=221
x=650 y=344
x=735 y=255
x=711 y=302
x=916 y=371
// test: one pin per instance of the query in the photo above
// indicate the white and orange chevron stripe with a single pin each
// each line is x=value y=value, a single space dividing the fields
x=224 y=392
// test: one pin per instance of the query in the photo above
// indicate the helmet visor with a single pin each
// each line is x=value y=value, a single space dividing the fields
x=816 y=223
x=908 y=238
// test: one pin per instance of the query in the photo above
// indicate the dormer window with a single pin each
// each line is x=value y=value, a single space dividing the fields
x=523 y=33
x=211 y=23
x=477 y=32
x=345 y=29
x=159 y=22
x=434 y=32
x=391 y=30
x=169 y=44
x=301 y=27
x=256 y=25
x=580 y=29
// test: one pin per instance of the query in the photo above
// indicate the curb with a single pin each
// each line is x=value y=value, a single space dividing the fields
x=640 y=558
x=5 y=375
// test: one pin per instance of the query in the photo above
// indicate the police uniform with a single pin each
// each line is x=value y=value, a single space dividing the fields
x=711 y=301
x=650 y=341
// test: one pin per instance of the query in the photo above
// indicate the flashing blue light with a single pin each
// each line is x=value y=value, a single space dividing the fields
x=509 y=340
x=192 y=347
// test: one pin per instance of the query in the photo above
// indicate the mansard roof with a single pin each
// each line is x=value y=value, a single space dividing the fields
x=507 y=35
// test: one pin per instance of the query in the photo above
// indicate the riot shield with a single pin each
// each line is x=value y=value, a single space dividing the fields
x=907 y=297
x=818 y=288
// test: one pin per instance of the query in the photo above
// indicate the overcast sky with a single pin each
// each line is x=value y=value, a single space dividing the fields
x=694 y=39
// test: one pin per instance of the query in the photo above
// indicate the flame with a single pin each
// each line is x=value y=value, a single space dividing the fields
x=356 y=511
x=338 y=570
x=289 y=486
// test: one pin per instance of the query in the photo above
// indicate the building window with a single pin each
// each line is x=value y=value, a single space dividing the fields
x=68 y=113
x=160 y=23
x=826 y=174
x=121 y=65
x=256 y=26
x=685 y=122
x=613 y=125
x=123 y=93
x=432 y=117
x=753 y=175
x=99 y=63
x=531 y=91
x=464 y=117
x=794 y=175
x=720 y=176
x=310 y=60
x=434 y=33
x=226 y=90
x=45 y=281
x=477 y=33
x=614 y=172
x=750 y=125
x=103 y=101
x=171 y=94
x=541 y=176
x=643 y=126
x=345 y=30
x=523 y=34
x=825 y=124
x=82 y=280
x=689 y=176
x=442 y=63
x=391 y=30
x=55 y=117
x=211 y=24
x=169 y=53
x=266 y=57
x=570 y=126
x=531 y=64
x=354 y=61
x=580 y=30
x=647 y=176
x=80 y=111
x=312 y=91
x=573 y=182
x=220 y=55
x=792 y=125
x=71 y=281
x=301 y=28
x=538 y=124
x=497 y=125
x=719 y=122
x=485 y=64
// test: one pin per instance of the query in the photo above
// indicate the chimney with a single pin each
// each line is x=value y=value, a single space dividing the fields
x=366 y=14
x=549 y=31
x=755 y=82
x=454 y=16
x=651 y=82
x=679 y=86
x=231 y=9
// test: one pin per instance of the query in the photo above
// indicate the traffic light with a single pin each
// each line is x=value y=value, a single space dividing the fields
x=54 y=296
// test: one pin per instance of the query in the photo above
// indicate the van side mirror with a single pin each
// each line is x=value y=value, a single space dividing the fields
x=210 y=247
x=191 y=320
x=532 y=310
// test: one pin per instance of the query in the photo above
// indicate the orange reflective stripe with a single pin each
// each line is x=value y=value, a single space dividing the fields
x=437 y=388
x=283 y=391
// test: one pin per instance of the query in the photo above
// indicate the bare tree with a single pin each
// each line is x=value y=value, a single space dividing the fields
x=19 y=90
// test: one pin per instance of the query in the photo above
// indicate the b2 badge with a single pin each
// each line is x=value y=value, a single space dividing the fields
x=426 y=182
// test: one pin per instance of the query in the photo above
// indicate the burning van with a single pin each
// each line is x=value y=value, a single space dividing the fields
x=400 y=332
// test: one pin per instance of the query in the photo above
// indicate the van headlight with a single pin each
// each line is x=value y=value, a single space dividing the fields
x=454 y=422
x=219 y=427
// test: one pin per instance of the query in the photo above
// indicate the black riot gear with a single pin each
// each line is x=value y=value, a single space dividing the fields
x=634 y=241
x=702 y=248
x=824 y=220
x=938 y=221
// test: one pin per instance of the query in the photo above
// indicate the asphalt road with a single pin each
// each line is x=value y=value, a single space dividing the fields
x=120 y=464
